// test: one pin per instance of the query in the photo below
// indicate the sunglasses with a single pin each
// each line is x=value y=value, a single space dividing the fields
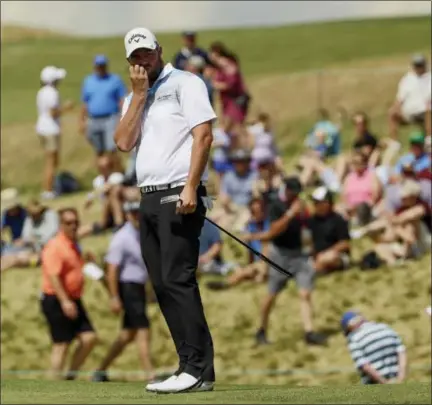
x=72 y=222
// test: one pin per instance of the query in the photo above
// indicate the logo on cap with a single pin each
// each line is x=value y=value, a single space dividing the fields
x=136 y=38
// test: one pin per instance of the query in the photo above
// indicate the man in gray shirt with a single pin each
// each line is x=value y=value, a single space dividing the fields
x=126 y=278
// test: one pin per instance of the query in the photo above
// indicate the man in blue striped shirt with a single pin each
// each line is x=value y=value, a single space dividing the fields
x=376 y=349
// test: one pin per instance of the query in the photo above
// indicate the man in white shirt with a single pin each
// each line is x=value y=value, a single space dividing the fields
x=48 y=123
x=168 y=118
x=413 y=99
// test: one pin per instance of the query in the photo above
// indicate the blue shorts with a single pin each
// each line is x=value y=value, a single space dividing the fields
x=100 y=133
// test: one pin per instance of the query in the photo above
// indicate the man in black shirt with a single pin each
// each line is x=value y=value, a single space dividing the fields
x=287 y=216
x=330 y=234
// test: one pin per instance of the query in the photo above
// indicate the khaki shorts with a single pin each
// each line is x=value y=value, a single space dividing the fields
x=50 y=143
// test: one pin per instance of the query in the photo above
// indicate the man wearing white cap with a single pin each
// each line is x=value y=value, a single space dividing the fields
x=168 y=119
x=48 y=123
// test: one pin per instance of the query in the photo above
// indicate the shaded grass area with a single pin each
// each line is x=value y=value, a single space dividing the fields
x=33 y=392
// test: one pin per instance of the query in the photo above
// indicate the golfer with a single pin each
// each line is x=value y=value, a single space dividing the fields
x=168 y=119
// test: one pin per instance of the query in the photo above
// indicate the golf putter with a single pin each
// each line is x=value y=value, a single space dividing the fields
x=208 y=203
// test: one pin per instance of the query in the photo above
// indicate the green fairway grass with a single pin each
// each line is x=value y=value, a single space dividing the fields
x=278 y=64
x=43 y=392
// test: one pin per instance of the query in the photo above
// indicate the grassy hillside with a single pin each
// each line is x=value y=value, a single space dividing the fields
x=277 y=62
x=22 y=392
x=272 y=59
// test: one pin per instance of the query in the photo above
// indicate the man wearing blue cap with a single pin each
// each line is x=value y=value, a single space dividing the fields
x=102 y=96
x=377 y=350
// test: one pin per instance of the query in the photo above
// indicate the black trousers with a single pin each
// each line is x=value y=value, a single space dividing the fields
x=170 y=249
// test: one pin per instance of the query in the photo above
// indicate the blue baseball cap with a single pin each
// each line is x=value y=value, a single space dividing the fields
x=100 y=60
x=347 y=318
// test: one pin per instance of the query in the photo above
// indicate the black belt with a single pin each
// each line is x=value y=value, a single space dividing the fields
x=163 y=187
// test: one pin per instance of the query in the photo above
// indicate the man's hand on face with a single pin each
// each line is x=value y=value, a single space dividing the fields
x=139 y=80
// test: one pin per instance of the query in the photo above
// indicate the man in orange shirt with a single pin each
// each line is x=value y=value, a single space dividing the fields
x=62 y=284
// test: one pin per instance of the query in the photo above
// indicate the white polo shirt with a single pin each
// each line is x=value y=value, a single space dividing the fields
x=414 y=92
x=176 y=104
x=47 y=98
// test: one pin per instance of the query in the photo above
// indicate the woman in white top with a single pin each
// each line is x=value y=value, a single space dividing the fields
x=48 y=123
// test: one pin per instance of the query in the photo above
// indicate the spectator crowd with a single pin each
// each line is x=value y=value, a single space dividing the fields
x=306 y=218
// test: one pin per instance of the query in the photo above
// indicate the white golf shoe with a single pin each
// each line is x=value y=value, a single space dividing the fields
x=153 y=387
x=184 y=382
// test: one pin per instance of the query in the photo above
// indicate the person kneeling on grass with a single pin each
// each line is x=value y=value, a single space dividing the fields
x=285 y=235
x=126 y=280
x=376 y=349
x=256 y=269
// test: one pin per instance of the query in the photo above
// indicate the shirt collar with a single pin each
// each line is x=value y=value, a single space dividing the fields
x=65 y=239
x=168 y=68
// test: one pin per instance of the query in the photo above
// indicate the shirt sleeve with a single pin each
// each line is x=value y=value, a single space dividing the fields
x=275 y=212
x=194 y=101
x=114 y=255
x=27 y=230
x=342 y=229
x=126 y=104
x=357 y=354
x=51 y=260
x=116 y=178
x=401 y=92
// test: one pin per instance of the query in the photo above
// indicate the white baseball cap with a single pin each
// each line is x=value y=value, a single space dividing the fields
x=50 y=74
x=139 y=38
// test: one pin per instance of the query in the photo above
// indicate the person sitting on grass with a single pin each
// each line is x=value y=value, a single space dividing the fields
x=365 y=142
x=402 y=234
x=12 y=221
x=361 y=191
x=376 y=349
x=287 y=215
x=256 y=269
x=126 y=282
x=417 y=158
x=108 y=186
x=329 y=233
x=413 y=97
x=210 y=256
x=269 y=180
x=235 y=193
x=40 y=226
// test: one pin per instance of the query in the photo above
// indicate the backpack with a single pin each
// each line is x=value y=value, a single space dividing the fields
x=370 y=261
x=66 y=183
